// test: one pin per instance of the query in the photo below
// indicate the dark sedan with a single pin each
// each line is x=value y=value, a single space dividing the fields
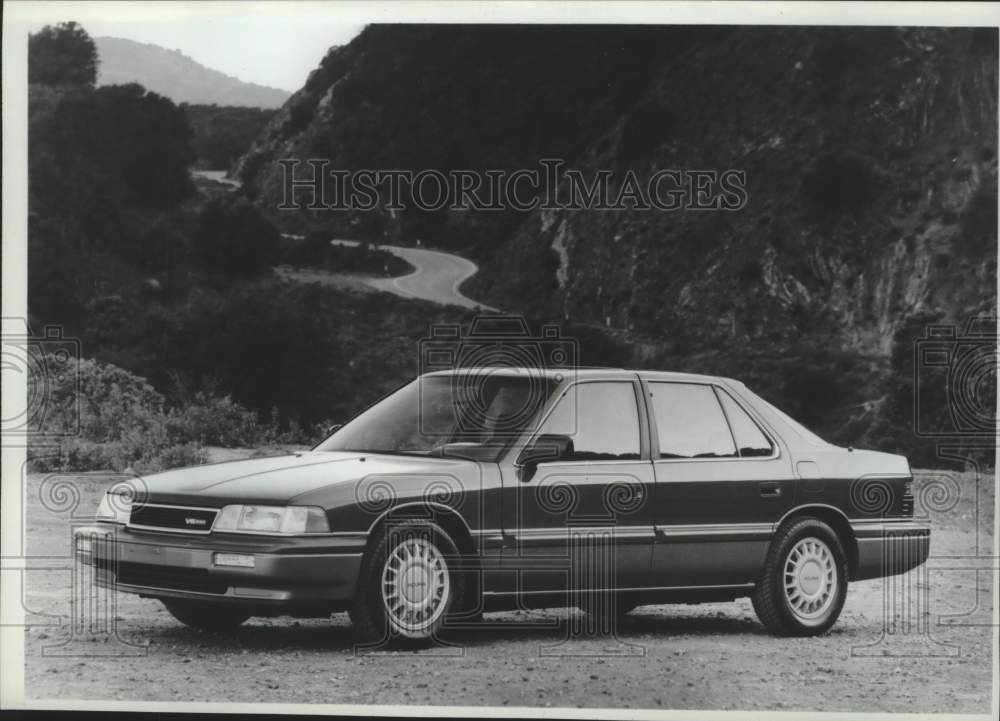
x=487 y=489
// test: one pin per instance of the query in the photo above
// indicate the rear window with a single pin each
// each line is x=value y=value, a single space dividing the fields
x=690 y=422
x=750 y=439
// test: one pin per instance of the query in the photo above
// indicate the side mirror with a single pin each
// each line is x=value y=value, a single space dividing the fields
x=334 y=428
x=545 y=448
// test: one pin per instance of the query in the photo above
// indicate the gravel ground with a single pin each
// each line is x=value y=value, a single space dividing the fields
x=711 y=656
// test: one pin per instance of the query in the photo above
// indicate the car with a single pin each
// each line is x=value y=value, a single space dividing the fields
x=483 y=489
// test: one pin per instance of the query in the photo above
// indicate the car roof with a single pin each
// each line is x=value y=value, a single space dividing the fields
x=582 y=373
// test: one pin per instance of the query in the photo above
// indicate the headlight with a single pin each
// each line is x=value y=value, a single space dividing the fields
x=272 y=519
x=115 y=507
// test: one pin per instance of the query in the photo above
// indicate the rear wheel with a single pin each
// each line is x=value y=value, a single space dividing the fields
x=206 y=615
x=804 y=584
x=407 y=587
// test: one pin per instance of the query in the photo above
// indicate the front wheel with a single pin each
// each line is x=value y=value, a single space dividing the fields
x=804 y=584
x=206 y=615
x=408 y=584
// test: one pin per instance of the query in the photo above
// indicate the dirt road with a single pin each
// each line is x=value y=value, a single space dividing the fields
x=713 y=656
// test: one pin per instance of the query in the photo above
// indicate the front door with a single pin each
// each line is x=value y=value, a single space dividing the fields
x=584 y=521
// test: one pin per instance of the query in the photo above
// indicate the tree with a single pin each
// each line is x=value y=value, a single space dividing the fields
x=62 y=55
x=134 y=135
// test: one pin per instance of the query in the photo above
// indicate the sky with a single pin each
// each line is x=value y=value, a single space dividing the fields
x=255 y=42
x=277 y=43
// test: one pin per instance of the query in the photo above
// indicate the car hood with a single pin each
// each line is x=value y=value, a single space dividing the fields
x=279 y=479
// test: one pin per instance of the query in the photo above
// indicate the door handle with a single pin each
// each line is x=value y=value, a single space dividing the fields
x=770 y=490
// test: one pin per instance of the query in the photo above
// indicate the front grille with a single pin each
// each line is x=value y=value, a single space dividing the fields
x=173 y=518
x=167 y=577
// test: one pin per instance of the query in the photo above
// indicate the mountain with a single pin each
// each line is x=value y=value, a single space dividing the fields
x=870 y=158
x=176 y=76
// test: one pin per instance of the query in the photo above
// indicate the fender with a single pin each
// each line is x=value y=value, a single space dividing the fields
x=438 y=507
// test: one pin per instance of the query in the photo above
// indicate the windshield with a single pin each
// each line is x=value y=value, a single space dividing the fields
x=421 y=417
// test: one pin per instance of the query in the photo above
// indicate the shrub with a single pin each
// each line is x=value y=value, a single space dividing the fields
x=214 y=421
x=77 y=455
x=105 y=400
x=311 y=250
x=176 y=456
x=233 y=238
x=120 y=417
x=365 y=259
x=123 y=422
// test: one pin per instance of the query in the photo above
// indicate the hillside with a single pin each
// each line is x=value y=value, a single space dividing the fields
x=871 y=165
x=221 y=134
x=869 y=158
x=176 y=76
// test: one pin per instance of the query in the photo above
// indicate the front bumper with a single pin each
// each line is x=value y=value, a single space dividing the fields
x=888 y=548
x=319 y=571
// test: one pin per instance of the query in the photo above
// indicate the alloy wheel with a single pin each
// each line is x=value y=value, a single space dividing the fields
x=810 y=579
x=416 y=586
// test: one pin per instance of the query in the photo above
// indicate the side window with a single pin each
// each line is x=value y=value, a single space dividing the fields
x=750 y=439
x=690 y=422
x=602 y=419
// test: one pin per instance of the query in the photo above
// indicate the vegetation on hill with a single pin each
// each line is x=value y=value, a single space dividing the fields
x=187 y=337
x=497 y=97
x=108 y=183
x=221 y=134
x=871 y=163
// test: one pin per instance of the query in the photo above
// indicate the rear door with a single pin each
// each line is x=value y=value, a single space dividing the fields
x=722 y=481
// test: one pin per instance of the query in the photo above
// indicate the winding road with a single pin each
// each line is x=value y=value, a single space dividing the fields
x=217 y=176
x=436 y=278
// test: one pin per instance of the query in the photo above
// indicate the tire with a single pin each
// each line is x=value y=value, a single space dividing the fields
x=205 y=615
x=802 y=589
x=407 y=587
